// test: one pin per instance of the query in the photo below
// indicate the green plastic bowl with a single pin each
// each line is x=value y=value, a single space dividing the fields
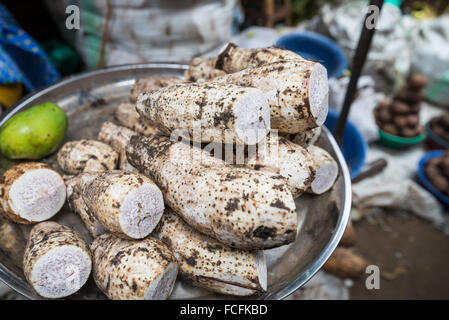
x=396 y=142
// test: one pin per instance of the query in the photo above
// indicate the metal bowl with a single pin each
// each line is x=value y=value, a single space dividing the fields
x=90 y=99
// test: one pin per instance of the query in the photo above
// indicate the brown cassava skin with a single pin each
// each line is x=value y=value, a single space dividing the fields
x=205 y=262
x=281 y=156
x=123 y=269
x=145 y=85
x=210 y=107
x=349 y=238
x=77 y=204
x=345 y=264
x=127 y=116
x=307 y=138
x=79 y=156
x=233 y=58
x=6 y=182
x=46 y=236
x=286 y=85
x=117 y=137
x=12 y=240
x=105 y=194
x=202 y=69
x=240 y=207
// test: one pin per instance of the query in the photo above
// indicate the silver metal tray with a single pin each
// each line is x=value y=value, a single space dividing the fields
x=90 y=99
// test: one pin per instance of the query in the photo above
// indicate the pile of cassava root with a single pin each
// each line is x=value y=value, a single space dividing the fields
x=158 y=207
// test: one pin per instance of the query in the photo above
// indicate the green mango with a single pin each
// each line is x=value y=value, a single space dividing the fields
x=33 y=133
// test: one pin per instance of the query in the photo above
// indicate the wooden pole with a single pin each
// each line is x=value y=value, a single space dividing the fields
x=361 y=53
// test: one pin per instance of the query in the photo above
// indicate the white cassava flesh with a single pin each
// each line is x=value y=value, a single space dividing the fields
x=31 y=192
x=223 y=112
x=297 y=91
x=133 y=270
x=127 y=116
x=279 y=155
x=326 y=170
x=208 y=263
x=307 y=138
x=117 y=137
x=240 y=207
x=57 y=261
x=127 y=204
x=233 y=58
x=145 y=85
x=202 y=69
x=86 y=156
x=77 y=204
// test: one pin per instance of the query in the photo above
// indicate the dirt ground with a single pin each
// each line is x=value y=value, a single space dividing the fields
x=413 y=258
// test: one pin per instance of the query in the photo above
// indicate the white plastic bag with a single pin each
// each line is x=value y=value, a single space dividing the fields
x=146 y=30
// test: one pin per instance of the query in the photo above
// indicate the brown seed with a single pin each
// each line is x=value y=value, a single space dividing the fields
x=391 y=129
x=410 y=96
x=412 y=120
x=409 y=132
x=400 y=121
x=399 y=107
x=384 y=104
x=385 y=115
x=440 y=182
x=418 y=81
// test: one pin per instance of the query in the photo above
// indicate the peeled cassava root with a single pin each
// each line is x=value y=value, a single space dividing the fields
x=133 y=270
x=233 y=58
x=208 y=263
x=86 y=156
x=281 y=156
x=31 y=192
x=127 y=116
x=57 y=261
x=201 y=69
x=145 y=85
x=127 y=204
x=117 y=137
x=219 y=112
x=326 y=170
x=240 y=207
x=297 y=91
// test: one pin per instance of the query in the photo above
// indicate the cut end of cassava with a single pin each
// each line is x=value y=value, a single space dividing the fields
x=252 y=113
x=141 y=211
x=61 y=272
x=37 y=195
x=326 y=170
x=325 y=177
x=261 y=267
x=318 y=93
x=162 y=286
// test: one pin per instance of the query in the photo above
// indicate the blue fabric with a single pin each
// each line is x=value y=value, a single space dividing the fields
x=21 y=59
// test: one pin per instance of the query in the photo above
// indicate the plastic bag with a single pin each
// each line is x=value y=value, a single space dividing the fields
x=145 y=30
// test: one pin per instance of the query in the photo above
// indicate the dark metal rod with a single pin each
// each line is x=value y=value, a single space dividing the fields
x=361 y=53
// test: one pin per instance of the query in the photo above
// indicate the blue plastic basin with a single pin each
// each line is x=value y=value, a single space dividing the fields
x=354 y=145
x=313 y=46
